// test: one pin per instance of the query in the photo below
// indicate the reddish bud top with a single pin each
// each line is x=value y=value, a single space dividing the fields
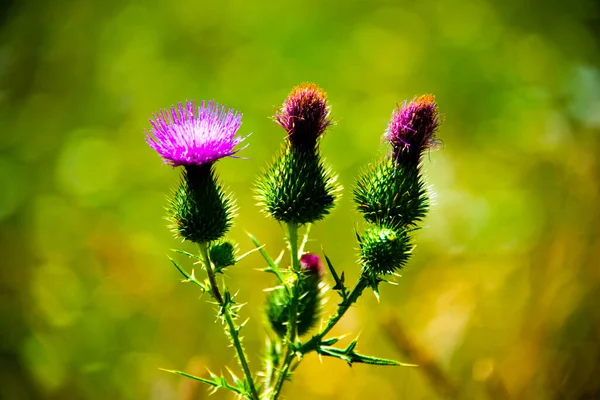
x=412 y=129
x=304 y=115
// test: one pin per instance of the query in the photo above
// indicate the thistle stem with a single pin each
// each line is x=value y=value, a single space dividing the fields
x=292 y=323
x=211 y=274
x=295 y=266
x=314 y=342
x=229 y=320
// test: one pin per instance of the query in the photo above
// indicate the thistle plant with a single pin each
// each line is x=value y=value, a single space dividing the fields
x=297 y=190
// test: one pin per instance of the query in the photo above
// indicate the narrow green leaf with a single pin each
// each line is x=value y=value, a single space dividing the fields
x=273 y=266
x=339 y=281
x=216 y=382
x=185 y=253
x=304 y=240
x=262 y=251
x=351 y=356
x=246 y=254
x=185 y=274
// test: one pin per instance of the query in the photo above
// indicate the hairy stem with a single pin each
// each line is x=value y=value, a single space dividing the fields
x=229 y=320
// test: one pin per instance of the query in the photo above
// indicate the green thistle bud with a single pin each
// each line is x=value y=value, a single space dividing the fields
x=297 y=188
x=384 y=250
x=392 y=195
x=200 y=210
x=222 y=254
x=279 y=301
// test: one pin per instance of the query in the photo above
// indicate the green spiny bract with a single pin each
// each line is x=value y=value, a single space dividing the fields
x=222 y=254
x=392 y=195
x=200 y=210
x=279 y=302
x=297 y=187
x=384 y=250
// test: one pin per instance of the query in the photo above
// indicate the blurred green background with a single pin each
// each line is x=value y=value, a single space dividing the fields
x=502 y=297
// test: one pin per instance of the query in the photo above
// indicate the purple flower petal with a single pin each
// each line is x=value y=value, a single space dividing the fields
x=190 y=135
x=412 y=128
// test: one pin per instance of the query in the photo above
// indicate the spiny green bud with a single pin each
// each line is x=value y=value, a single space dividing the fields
x=384 y=250
x=393 y=192
x=297 y=188
x=222 y=254
x=392 y=195
x=200 y=210
x=279 y=301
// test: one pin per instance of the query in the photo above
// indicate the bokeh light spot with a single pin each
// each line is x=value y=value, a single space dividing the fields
x=88 y=167
x=12 y=187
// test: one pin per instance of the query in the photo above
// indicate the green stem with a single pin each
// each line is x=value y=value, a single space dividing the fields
x=211 y=274
x=231 y=326
x=295 y=266
x=314 y=342
x=292 y=323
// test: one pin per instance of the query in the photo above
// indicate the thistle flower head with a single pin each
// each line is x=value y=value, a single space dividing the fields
x=304 y=115
x=190 y=135
x=311 y=264
x=412 y=129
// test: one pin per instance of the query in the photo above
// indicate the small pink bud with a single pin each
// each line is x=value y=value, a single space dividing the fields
x=311 y=264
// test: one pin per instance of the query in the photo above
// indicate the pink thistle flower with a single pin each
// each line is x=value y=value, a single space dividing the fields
x=189 y=135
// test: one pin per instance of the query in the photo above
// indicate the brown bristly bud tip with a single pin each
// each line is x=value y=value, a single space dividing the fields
x=304 y=115
x=412 y=129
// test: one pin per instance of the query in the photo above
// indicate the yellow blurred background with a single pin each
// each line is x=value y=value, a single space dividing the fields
x=502 y=297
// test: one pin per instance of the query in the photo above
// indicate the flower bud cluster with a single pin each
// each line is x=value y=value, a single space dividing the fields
x=392 y=195
x=296 y=189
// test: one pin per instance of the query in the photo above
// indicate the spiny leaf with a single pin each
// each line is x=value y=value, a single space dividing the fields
x=273 y=266
x=304 y=240
x=330 y=341
x=185 y=253
x=181 y=270
x=217 y=382
x=189 y=277
x=351 y=356
x=246 y=254
x=339 y=281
